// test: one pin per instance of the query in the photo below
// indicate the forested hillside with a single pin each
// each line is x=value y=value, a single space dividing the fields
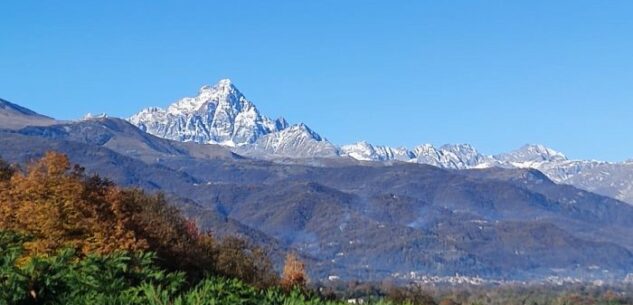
x=70 y=238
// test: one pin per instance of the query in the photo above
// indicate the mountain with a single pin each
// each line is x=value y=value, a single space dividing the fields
x=606 y=178
x=363 y=220
x=297 y=141
x=221 y=114
x=218 y=114
x=407 y=217
x=367 y=152
x=122 y=137
x=367 y=220
x=13 y=116
x=531 y=154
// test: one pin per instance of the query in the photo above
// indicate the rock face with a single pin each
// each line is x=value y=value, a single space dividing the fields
x=532 y=153
x=367 y=152
x=218 y=114
x=298 y=141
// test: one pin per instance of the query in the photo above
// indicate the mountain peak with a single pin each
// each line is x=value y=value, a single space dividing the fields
x=8 y=106
x=532 y=153
x=91 y=116
x=225 y=85
x=218 y=114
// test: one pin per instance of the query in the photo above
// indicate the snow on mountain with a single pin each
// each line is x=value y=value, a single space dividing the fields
x=367 y=152
x=448 y=156
x=218 y=114
x=610 y=179
x=296 y=141
x=460 y=156
x=91 y=116
x=531 y=154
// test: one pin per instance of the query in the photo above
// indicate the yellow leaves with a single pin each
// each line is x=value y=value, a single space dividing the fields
x=59 y=208
x=51 y=165
x=294 y=273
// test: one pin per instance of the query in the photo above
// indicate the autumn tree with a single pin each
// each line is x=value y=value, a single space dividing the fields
x=235 y=257
x=294 y=273
x=56 y=205
x=52 y=204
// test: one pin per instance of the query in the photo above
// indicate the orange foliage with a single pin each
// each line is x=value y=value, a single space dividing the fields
x=57 y=208
x=294 y=273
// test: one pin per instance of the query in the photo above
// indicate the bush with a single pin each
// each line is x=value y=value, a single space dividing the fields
x=118 y=278
x=294 y=274
x=66 y=278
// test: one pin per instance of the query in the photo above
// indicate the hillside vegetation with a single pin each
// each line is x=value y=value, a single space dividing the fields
x=70 y=238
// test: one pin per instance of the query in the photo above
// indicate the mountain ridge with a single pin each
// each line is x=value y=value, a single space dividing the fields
x=362 y=219
x=13 y=116
x=239 y=125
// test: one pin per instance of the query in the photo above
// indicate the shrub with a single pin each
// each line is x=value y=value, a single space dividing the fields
x=294 y=273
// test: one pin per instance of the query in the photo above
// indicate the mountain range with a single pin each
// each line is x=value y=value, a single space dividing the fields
x=221 y=114
x=437 y=211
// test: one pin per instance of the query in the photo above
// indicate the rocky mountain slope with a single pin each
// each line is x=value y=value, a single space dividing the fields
x=359 y=219
x=13 y=116
x=221 y=114
x=218 y=114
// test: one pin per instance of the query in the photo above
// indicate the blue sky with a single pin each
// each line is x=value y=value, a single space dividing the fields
x=495 y=74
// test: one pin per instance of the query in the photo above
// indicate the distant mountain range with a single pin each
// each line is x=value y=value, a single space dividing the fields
x=287 y=187
x=221 y=114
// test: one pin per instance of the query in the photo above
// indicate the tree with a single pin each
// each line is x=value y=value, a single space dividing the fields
x=294 y=273
x=6 y=171
x=54 y=204
x=57 y=206
x=235 y=257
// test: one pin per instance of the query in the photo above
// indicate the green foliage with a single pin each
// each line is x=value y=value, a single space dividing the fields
x=66 y=278
x=70 y=278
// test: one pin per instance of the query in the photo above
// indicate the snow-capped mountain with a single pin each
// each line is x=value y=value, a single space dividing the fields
x=531 y=154
x=367 y=152
x=218 y=114
x=606 y=178
x=461 y=156
x=296 y=141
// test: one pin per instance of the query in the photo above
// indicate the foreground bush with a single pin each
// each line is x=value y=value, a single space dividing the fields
x=118 y=278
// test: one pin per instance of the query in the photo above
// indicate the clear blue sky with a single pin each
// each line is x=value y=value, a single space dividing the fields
x=496 y=74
